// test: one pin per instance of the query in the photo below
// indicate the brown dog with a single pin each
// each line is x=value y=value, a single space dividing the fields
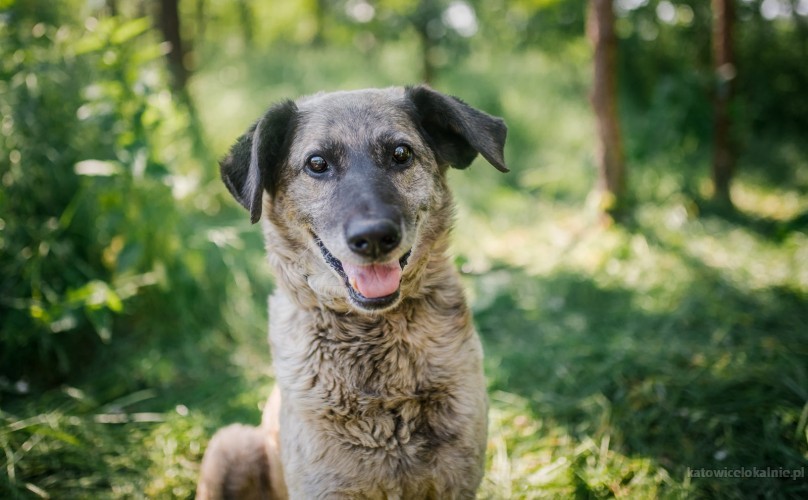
x=379 y=368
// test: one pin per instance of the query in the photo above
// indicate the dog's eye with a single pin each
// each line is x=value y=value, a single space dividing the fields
x=402 y=154
x=317 y=164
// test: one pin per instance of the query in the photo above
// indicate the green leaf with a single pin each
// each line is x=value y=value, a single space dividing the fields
x=129 y=30
x=114 y=302
x=56 y=434
x=146 y=53
x=90 y=42
x=96 y=295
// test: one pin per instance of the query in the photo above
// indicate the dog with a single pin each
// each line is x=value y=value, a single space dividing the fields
x=380 y=391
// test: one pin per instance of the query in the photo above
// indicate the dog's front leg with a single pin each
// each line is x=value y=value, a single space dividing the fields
x=271 y=424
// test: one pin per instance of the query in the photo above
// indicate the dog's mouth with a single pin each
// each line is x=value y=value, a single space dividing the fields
x=370 y=286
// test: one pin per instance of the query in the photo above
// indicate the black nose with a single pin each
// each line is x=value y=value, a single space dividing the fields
x=372 y=238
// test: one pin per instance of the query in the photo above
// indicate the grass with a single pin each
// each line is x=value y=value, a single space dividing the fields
x=618 y=358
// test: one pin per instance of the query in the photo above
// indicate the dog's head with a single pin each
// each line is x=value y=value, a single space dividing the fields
x=354 y=177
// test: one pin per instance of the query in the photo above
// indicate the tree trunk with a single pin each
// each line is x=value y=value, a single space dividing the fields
x=428 y=46
x=246 y=14
x=319 y=22
x=609 y=149
x=169 y=20
x=427 y=12
x=199 y=14
x=725 y=72
x=112 y=7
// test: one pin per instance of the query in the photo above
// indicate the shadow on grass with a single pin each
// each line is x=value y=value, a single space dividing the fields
x=717 y=380
x=767 y=227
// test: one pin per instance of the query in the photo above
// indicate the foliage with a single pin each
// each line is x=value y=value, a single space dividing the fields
x=98 y=150
x=76 y=178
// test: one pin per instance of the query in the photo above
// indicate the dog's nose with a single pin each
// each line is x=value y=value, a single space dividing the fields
x=372 y=238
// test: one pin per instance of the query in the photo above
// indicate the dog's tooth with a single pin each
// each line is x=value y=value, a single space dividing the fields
x=352 y=282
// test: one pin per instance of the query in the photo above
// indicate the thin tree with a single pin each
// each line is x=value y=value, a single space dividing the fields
x=320 y=13
x=725 y=72
x=609 y=150
x=245 y=12
x=200 y=21
x=169 y=23
x=426 y=15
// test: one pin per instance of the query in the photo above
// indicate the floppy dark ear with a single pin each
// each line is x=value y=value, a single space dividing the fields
x=255 y=160
x=457 y=131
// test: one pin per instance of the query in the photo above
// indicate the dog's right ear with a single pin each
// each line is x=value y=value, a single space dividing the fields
x=255 y=160
x=457 y=131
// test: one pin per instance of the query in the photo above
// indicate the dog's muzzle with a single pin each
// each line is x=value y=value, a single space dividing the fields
x=370 y=286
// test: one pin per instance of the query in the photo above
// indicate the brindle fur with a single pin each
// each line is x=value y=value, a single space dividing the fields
x=382 y=402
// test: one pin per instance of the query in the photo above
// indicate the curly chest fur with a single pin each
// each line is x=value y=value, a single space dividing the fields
x=377 y=389
x=371 y=383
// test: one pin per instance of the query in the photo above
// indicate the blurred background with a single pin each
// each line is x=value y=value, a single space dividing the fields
x=639 y=279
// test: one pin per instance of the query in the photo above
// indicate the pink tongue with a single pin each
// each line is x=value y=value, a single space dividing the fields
x=374 y=280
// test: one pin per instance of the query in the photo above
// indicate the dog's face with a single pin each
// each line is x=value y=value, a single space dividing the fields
x=354 y=177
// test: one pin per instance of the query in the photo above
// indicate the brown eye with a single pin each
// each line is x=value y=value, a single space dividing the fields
x=402 y=154
x=317 y=164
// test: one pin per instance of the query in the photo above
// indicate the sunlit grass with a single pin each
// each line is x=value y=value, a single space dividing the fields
x=628 y=329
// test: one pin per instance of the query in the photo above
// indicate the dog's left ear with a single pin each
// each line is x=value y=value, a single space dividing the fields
x=255 y=160
x=457 y=131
